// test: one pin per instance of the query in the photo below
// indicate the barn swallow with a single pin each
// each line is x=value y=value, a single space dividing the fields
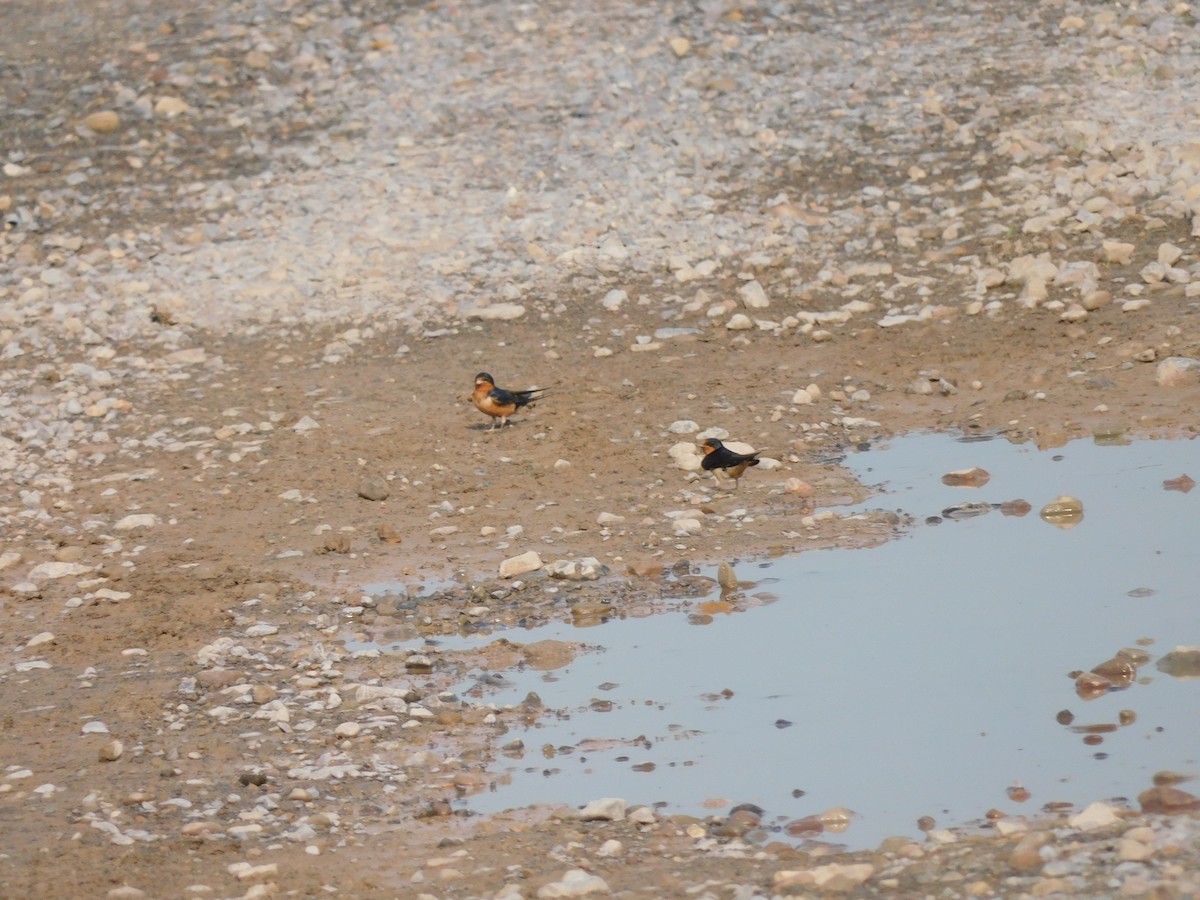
x=719 y=457
x=499 y=403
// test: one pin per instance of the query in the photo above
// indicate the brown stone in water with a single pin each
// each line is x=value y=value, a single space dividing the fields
x=1015 y=508
x=807 y=825
x=1164 y=799
x=1183 y=484
x=548 y=654
x=973 y=477
x=1089 y=685
x=1120 y=672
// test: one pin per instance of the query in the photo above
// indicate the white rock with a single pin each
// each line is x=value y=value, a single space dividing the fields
x=48 y=571
x=585 y=568
x=607 y=518
x=1007 y=827
x=607 y=809
x=138 y=520
x=739 y=322
x=686 y=455
x=1177 y=370
x=498 y=312
x=683 y=426
x=1032 y=269
x=1153 y=272
x=1168 y=254
x=261 y=630
x=753 y=296
x=348 y=730
x=519 y=565
x=169 y=106
x=643 y=815
x=613 y=247
x=1118 y=252
x=94 y=727
x=575 y=883
x=843 y=873
x=192 y=356
x=614 y=299
x=244 y=871
x=802 y=397
x=1097 y=815
x=611 y=847
x=685 y=526
x=44 y=637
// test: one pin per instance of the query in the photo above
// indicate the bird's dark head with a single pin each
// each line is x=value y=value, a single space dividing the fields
x=484 y=378
x=711 y=444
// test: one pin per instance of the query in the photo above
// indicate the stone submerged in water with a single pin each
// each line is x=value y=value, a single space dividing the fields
x=973 y=477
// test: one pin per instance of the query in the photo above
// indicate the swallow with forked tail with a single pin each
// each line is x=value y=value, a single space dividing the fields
x=718 y=457
x=499 y=403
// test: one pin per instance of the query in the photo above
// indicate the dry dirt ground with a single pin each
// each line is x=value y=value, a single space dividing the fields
x=402 y=414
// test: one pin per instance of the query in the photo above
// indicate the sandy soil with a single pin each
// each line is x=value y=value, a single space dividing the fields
x=405 y=417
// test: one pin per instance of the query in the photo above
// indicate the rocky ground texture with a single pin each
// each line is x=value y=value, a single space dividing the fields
x=253 y=255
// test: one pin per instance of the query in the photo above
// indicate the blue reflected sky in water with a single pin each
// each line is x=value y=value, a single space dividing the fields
x=921 y=677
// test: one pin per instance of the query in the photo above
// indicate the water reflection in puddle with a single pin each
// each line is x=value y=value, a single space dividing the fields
x=925 y=677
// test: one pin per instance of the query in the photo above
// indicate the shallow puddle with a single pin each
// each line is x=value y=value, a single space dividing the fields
x=925 y=677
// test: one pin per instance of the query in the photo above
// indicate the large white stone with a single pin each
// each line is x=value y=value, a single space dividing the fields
x=607 y=809
x=1097 y=815
x=519 y=565
x=48 y=571
x=575 y=883
x=138 y=520
x=686 y=455
x=753 y=295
